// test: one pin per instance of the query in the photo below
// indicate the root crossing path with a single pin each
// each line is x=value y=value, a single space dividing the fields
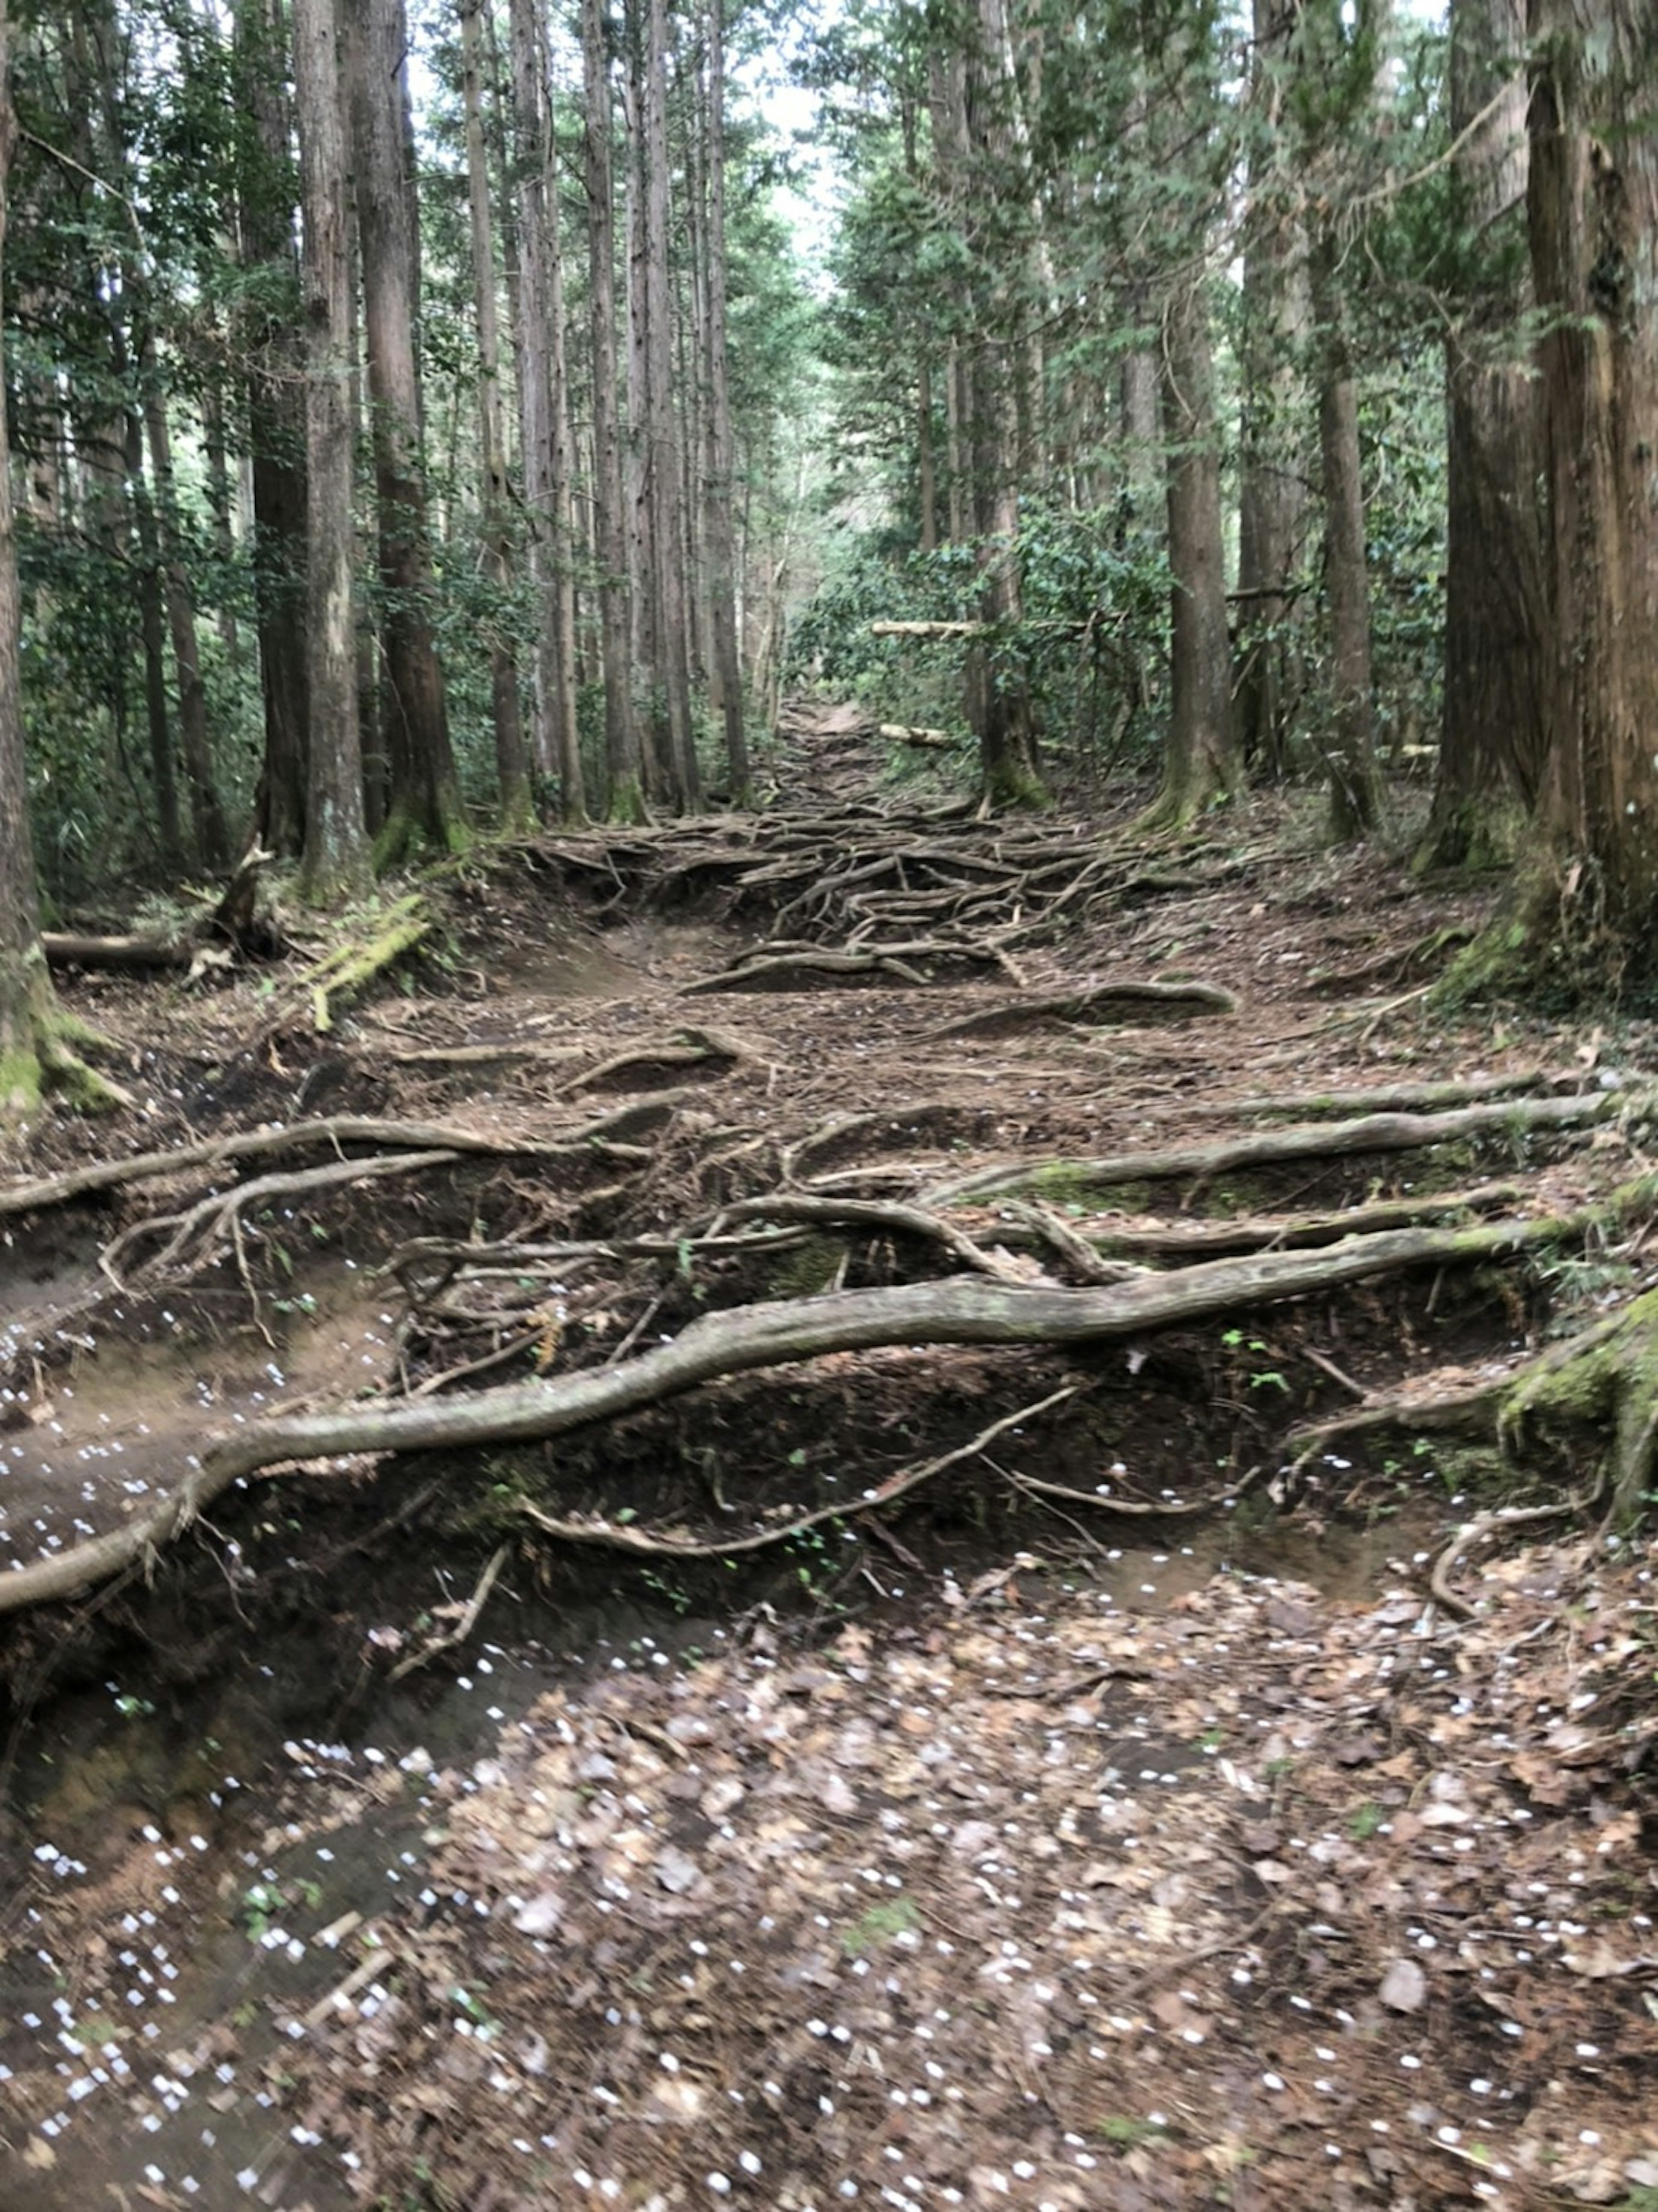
x=921 y=1213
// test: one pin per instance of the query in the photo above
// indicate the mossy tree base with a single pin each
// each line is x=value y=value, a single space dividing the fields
x=37 y=1041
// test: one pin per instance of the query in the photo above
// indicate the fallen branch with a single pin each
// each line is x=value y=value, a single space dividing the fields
x=964 y=1309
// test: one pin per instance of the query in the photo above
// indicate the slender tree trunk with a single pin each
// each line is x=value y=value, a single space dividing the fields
x=152 y=631
x=663 y=477
x=1491 y=744
x=336 y=846
x=1593 y=207
x=1274 y=463
x=275 y=422
x=1201 y=763
x=998 y=692
x=722 y=591
x=557 y=745
x=623 y=757
x=425 y=791
x=25 y=994
x=511 y=762
x=211 y=836
x=1349 y=747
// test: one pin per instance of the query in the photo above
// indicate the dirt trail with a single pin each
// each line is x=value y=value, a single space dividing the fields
x=1084 y=1830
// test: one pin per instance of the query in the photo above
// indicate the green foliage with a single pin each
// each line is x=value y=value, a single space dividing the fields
x=1090 y=646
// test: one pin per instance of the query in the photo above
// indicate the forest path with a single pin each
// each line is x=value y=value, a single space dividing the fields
x=1085 y=1832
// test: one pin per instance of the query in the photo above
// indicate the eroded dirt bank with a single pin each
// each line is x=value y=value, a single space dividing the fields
x=1088 y=1768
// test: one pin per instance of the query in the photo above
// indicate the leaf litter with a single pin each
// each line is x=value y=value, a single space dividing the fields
x=1041 y=1902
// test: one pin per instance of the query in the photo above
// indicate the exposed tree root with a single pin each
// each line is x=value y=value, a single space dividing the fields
x=621 y=1536
x=965 y=1309
x=347 y=969
x=1373 y=1132
x=300 y=1136
x=194 y=1233
x=1108 y=1002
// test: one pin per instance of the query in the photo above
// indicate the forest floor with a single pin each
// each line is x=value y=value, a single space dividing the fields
x=1022 y=1667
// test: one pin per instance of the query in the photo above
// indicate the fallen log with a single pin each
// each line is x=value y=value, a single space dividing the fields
x=924 y=741
x=967 y=1309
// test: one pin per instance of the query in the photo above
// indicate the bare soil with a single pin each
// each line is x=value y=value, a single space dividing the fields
x=1026 y=1773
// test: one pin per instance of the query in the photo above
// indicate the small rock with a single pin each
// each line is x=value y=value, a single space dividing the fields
x=1404 y=1986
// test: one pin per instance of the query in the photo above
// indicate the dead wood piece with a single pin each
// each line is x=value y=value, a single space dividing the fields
x=1120 y=1002
x=126 y=955
x=621 y=1536
x=922 y=739
x=927 y=629
x=963 y=1310
x=1373 y=1132
x=1475 y=1531
x=466 y=1620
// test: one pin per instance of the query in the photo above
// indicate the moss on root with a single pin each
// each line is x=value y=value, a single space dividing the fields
x=1605 y=1379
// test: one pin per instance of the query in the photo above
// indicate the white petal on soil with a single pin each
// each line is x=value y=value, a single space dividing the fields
x=1404 y=1986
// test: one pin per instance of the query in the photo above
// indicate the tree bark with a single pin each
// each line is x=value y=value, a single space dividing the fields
x=1592 y=209
x=557 y=747
x=512 y=762
x=1491 y=741
x=1274 y=464
x=336 y=845
x=623 y=759
x=1201 y=761
x=276 y=426
x=210 y=834
x=425 y=793
x=721 y=550
x=672 y=670
x=1349 y=749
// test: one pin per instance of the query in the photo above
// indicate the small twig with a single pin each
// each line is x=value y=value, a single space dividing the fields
x=622 y=1538
x=1335 y=1374
x=463 y=1627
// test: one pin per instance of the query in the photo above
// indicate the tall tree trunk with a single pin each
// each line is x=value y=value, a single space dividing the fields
x=640 y=508
x=1274 y=464
x=275 y=423
x=511 y=762
x=998 y=692
x=1593 y=207
x=1349 y=748
x=557 y=746
x=1491 y=744
x=1201 y=763
x=336 y=845
x=623 y=759
x=672 y=669
x=152 y=627
x=425 y=791
x=722 y=591
x=212 y=837
x=25 y=994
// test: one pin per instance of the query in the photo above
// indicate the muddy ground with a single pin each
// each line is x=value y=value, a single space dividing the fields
x=1038 y=1769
